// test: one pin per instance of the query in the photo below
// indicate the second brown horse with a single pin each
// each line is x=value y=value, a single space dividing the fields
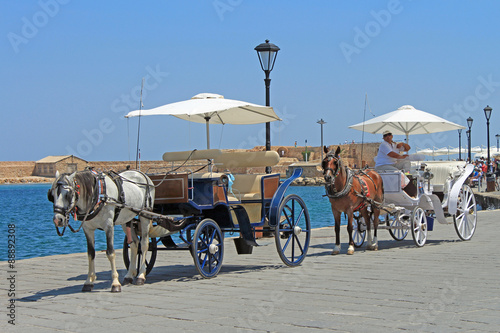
x=350 y=192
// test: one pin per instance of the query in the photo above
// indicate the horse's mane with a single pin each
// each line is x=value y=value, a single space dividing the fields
x=86 y=180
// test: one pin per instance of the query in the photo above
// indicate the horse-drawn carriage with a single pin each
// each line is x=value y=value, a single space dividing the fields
x=437 y=190
x=206 y=205
x=201 y=206
x=399 y=202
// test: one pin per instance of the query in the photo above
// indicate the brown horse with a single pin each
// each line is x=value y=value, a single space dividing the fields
x=350 y=192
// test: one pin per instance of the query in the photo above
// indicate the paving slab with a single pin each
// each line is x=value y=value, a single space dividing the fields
x=446 y=286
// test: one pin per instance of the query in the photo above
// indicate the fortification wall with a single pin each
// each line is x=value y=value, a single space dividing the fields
x=16 y=169
x=15 y=172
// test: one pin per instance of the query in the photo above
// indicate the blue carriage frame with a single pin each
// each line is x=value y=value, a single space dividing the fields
x=206 y=200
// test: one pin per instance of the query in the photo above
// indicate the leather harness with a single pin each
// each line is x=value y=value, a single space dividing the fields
x=333 y=193
x=99 y=199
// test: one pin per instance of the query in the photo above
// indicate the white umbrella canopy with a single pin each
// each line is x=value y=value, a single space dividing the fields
x=434 y=152
x=407 y=120
x=484 y=153
x=215 y=109
x=441 y=151
x=425 y=151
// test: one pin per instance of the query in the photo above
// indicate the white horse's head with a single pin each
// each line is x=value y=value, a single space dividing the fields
x=63 y=195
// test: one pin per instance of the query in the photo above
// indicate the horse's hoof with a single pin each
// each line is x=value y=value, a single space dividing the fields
x=350 y=252
x=87 y=287
x=140 y=281
x=116 y=289
x=127 y=281
x=373 y=248
x=334 y=252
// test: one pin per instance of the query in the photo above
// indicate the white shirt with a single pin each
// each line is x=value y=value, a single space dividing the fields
x=385 y=148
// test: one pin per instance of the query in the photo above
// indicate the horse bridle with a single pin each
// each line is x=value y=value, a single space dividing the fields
x=72 y=206
x=335 y=173
x=331 y=191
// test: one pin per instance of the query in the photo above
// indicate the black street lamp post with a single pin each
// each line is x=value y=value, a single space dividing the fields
x=460 y=144
x=487 y=113
x=469 y=124
x=321 y=122
x=267 y=53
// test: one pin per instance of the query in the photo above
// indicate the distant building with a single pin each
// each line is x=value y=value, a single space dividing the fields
x=48 y=166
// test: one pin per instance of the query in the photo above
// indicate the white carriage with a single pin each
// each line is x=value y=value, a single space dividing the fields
x=438 y=191
x=440 y=188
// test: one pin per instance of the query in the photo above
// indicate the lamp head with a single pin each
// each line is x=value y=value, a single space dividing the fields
x=487 y=112
x=469 y=122
x=267 y=53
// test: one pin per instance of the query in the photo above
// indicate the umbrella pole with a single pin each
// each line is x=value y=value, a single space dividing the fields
x=207 y=119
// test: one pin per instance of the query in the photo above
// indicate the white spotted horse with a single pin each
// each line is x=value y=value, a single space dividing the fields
x=101 y=201
x=350 y=192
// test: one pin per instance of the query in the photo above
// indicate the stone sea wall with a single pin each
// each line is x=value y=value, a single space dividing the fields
x=16 y=172
x=23 y=171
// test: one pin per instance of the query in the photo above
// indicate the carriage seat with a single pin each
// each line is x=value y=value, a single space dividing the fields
x=248 y=186
x=251 y=159
x=441 y=171
x=181 y=156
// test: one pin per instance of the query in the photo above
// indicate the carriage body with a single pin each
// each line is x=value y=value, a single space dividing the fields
x=437 y=190
x=214 y=204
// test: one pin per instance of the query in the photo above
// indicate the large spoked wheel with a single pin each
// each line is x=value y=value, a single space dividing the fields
x=419 y=226
x=150 y=254
x=293 y=232
x=397 y=230
x=466 y=217
x=208 y=248
x=358 y=236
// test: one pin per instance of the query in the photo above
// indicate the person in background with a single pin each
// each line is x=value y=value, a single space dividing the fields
x=230 y=181
x=476 y=178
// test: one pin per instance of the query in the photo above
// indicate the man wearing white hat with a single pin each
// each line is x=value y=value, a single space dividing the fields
x=389 y=155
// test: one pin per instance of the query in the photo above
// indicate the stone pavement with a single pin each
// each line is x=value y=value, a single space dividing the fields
x=446 y=286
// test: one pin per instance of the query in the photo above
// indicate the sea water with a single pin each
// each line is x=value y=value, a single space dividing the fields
x=26 y=212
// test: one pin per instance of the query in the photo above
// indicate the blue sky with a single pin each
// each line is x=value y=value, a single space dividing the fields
x=72 y=69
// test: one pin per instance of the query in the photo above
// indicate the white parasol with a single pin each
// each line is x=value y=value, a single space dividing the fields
x=407 y=120
x=213 y=108
x=484 y=152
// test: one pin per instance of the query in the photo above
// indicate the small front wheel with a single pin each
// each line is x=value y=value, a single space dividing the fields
x=419 y=226
x=358 y=236
x=397 y=229
x=208 y=248
x=150 y=254
x=465 y=219
x=293 y=230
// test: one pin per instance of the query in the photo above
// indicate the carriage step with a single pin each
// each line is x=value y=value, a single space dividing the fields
x=244 y=223
x=242 y=246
